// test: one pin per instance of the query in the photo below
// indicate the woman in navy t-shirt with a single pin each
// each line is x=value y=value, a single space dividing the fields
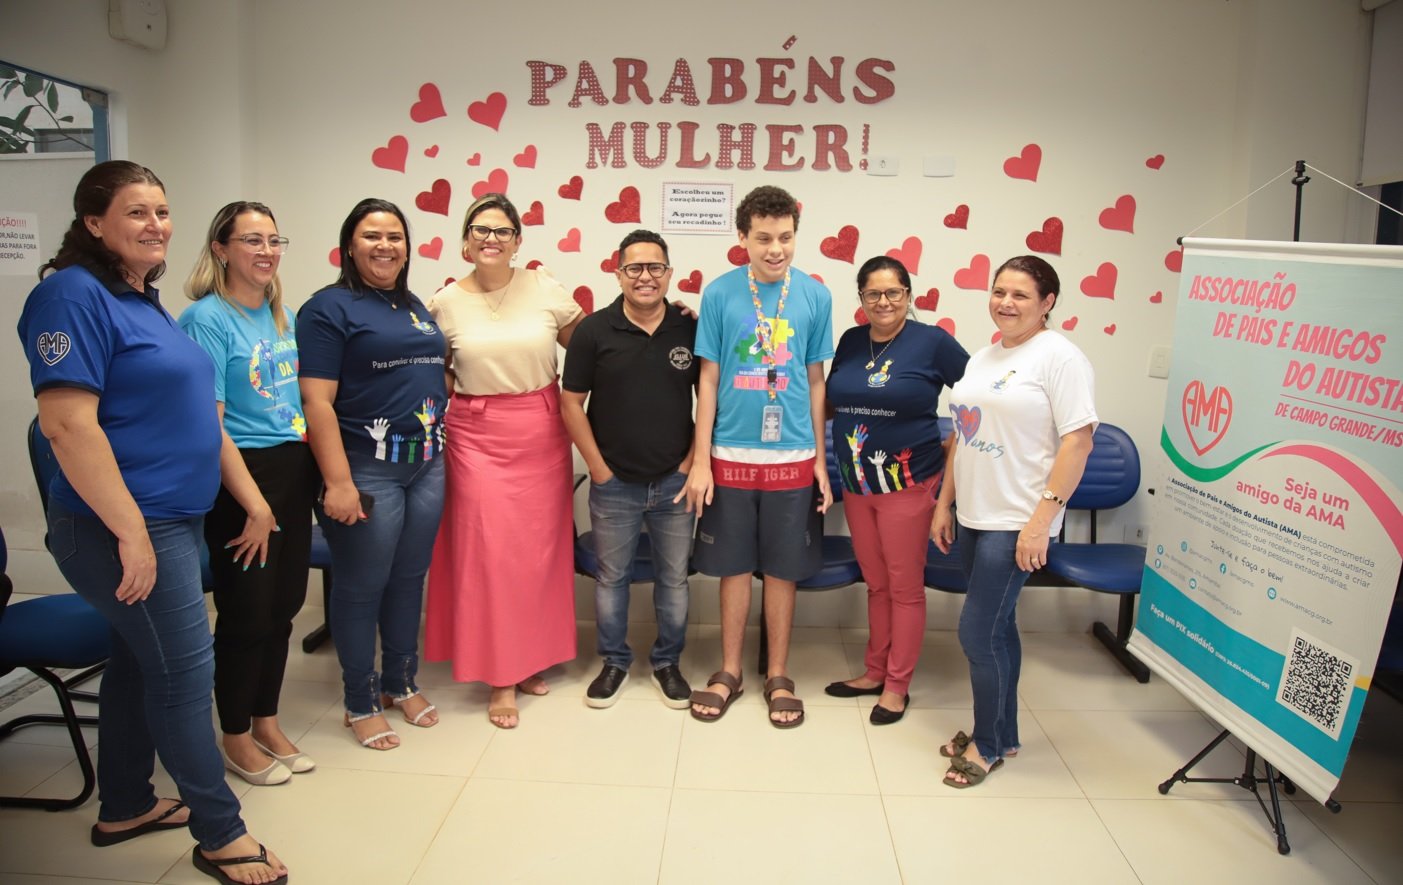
x=373 y=387
x=884 y=387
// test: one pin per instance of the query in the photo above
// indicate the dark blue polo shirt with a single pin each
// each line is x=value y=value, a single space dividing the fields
x=155 y=387
x=640 y=387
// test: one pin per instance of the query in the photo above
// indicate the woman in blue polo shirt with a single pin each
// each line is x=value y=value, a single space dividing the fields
x=373 y=385
x=124 y=398
x=884 y=387
x=260 y=530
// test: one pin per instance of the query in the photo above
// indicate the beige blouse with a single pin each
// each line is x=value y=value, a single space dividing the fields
x=517 y=351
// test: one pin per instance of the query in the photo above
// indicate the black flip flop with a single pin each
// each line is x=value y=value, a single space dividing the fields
x=213 y=868
x=103 y=838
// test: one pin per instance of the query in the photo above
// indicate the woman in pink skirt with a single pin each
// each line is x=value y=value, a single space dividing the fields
x=501 y=600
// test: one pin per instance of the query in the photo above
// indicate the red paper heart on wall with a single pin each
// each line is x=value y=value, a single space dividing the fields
x=495 y=183
x=571 y=189
x=1156 y=161
x=841 y=247
x=625 y=210
x=816 y=278
x=527 y=158
x=429 y=106
x=532 y=264
x=584 y=298
x=1049 y=239
x=448 y=281
x=1069 y=324
x=860 y=316
x=489 y=111
x=334 y=257
x=610 y=264
x=908 y=254
x=738 y=256
x=570 y=242
x=930 y=300
x=392 y=155
x=1110 y=330
x=1157 y=298
x=1121 y=216
x=691 y=283
x=1026 y=164
x=975 y=276
x=436 y=198
x=1175 y=260
x=947 y=324
x=431 y=151
x=1101 y=284
x=535 y=215
x=959 y=218
x=475 y=159
x=994 y=338
x=432 y=249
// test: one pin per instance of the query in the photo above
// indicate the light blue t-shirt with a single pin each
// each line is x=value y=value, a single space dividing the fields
x=726 y=335
x=255 y=370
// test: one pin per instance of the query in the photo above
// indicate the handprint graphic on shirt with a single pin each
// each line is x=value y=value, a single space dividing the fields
x=855 y=441
x=904 y=457
x=395 y=439
x=895 y=470
x=377 y=430
x=427 y=418
x=878 y=458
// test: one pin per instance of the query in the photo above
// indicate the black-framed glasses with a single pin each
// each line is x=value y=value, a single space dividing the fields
x=481 y=232
x=872 y=296
x=258 y=243
x=654 y=269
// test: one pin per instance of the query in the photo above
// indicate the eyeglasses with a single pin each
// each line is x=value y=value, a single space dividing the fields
x=259 y=244
x=654 y=269
x=872 y=296
x=481 y=232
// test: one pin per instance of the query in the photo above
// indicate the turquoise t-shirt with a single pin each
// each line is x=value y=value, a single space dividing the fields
x=726 y=335
x=255 y=370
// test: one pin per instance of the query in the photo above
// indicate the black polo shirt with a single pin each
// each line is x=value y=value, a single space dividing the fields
x=640 y=386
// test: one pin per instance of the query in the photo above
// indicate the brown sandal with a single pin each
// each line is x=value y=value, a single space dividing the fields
x=714 y=699
x=783 y=705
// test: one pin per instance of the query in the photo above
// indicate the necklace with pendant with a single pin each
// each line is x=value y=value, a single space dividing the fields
x=872 y=363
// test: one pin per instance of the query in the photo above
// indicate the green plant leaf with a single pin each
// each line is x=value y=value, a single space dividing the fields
x=8 y=72
x=23 y=116
x=33 y=85
x=15 y=127
x=66 y=118
x=53 y=97
x=8 y=88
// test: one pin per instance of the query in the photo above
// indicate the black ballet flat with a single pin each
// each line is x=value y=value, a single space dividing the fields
x=843 y=690
x=882 y=716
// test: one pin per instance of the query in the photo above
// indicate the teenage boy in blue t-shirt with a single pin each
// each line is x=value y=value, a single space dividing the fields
x=758 y=481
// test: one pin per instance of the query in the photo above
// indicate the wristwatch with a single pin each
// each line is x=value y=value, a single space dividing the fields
x=1049 y=496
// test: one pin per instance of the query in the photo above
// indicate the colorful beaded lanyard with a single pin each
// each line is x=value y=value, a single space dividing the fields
x=764 y=331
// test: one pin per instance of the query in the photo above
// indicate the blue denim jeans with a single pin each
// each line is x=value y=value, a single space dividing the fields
x=989 y=636
x=618 y=511
x=380 y=565
x=155 y=694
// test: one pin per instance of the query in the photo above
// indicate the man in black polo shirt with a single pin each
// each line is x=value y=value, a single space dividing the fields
x=634 y=361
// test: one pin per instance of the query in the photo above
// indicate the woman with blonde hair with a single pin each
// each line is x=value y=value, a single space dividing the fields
x=260 y=529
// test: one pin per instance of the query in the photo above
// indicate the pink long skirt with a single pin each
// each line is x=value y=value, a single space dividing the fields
x=501 y=602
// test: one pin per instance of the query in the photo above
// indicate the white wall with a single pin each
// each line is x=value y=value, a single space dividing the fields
x=284 y=102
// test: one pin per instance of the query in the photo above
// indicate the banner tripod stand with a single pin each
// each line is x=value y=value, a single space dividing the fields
x=1248 y=781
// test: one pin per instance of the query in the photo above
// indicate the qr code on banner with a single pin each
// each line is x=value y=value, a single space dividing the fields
x=1317 y=682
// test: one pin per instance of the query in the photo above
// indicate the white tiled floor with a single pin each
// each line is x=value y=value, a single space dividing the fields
x=642 y=793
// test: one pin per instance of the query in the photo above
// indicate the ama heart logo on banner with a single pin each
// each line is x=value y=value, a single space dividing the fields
x=967 y=421
x=1207 y=414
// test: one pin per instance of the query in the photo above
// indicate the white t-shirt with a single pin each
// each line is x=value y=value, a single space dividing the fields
x=1011 y=410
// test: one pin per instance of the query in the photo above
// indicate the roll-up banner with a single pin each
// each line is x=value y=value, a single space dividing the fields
x=1276 y=535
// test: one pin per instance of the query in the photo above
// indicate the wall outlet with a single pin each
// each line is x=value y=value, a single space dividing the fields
x=883 y=166
x=1137 y=534
x=1159 y=362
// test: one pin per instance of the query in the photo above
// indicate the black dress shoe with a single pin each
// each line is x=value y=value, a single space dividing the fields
x=605 y=688
x=672 y=685
x=882 y=716
x=843 y=690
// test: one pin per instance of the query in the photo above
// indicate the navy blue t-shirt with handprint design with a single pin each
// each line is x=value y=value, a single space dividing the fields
x=388 y=362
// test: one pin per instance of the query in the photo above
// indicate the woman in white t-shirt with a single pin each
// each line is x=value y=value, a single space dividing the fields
x=1024 y=416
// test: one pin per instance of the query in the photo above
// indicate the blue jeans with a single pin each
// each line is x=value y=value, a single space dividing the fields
x=618 y=511
x=155 y=694
x=989 y=636
x=380 y=565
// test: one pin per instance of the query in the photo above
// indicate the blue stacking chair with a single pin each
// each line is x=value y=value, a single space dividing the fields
x=321 y=561
x=42 y=635
x=943 y=570
x=1111 y=480
x=587 y=562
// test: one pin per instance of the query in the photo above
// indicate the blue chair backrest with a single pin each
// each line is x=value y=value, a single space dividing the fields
x=42 y=460
x=1112 y=474
x=835 y=476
